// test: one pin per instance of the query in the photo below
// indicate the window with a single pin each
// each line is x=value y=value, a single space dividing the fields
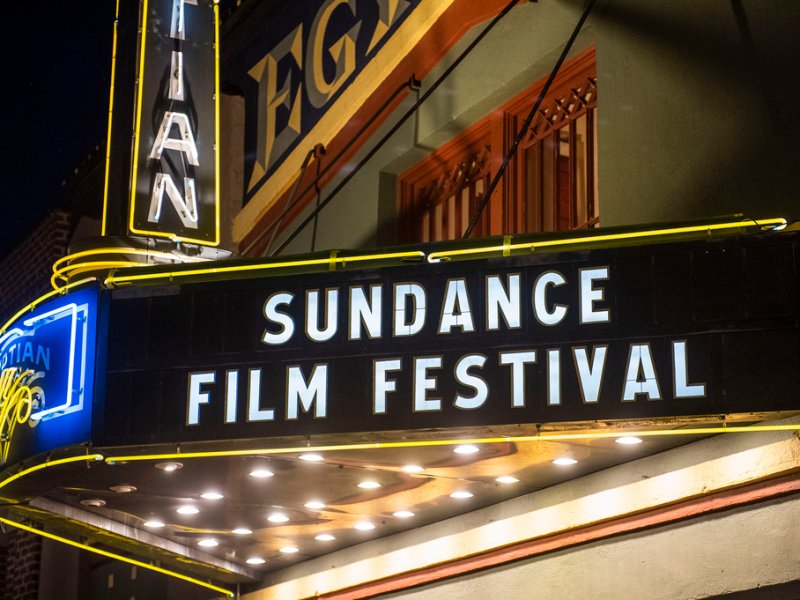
x=550 y=185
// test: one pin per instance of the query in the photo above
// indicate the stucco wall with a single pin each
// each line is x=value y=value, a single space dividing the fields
x=734 y=551
x=695 y=112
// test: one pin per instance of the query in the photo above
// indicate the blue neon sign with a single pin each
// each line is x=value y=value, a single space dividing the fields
x=47 y=360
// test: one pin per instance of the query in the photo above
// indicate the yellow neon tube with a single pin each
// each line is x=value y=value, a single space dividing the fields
x=217 y=223
x=49 y=463
x=113 y=279
x=544 y=437
x=107 y=554
x=64 y=267
x=110 y=116
x=137 y=127
x=42 y=298
x=505 y=248
x=86 y=267
x=126 y=250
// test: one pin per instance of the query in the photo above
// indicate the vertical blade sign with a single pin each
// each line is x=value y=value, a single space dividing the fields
x=174 y=192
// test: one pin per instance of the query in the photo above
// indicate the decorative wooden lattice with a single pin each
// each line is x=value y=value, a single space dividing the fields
x=459 y=176
x=561 y=110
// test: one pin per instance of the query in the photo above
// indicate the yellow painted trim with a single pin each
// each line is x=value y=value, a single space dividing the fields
x=407 y=36
x=42 y=298
x=544 y=437
x=113 y=279
x=132 y=561
x=110 y=117
x=138 y=121
x=50 y=463
x=137 y=131
x=505 y=249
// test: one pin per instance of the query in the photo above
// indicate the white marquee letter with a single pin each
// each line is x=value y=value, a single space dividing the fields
x=456 y=311
x=298 y=390
x=499 y=301
x=464 y=377
x=540 y=311
x=640 y=376
x=285 y=321
x=197 y=397
x=382 y=386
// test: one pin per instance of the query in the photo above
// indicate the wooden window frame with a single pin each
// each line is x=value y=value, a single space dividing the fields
x=488 y=140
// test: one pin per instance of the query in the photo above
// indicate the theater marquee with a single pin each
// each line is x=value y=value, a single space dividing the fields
x=630 y=333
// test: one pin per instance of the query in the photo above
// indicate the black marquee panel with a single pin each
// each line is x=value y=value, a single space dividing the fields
x=721 y=315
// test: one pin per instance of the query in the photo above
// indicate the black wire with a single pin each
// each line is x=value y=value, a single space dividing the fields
x=526 y=123
x=395 y=127
x=294 y=196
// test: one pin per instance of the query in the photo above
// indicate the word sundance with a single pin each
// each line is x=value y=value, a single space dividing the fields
x=392 y=389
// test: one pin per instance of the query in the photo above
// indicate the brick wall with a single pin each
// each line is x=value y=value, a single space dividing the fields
x=25 y=271
x=19 y=566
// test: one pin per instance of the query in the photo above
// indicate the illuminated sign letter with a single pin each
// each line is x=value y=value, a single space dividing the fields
x=304 y=394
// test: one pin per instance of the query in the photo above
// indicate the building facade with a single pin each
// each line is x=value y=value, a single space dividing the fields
x=521 y=276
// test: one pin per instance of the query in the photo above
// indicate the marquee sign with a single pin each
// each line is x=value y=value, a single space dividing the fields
x=627 y=333
x=174 y=191
x=297 y=69
x=47 y=360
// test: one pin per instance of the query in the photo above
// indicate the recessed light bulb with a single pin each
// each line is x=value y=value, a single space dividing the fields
x=314 y=505
x=211 y=496
x=413 y=469
x=187 y=509
x=564 y=461
x=325 y=537
x=466 y=449
x=208 y=543
x=242 y=531
x=369 y=485
x=255 y=560
x=261 y=473
x=364 y=526
x=507 y=479
x=403 y=514
x=95 y=502
x=277 y=518
x=461 y=495
x=311 y=457
x=290 y=549
x=628 y=440
x=169 y=467
x=153 y=524
x=123 y=489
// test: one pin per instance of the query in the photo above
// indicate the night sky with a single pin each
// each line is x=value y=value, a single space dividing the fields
x=56 y=78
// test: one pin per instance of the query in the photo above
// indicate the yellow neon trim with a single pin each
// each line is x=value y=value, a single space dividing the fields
x=544 y=437
x=162 y=234
x=119 y=557
x=114 y=279
x=44 y=297
x=62 y=270
x=506 y=248
x=110 y=116
x=137 y=127
x=49 y=463
x=87 y=267
x=126 y=250
x=217 y=196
